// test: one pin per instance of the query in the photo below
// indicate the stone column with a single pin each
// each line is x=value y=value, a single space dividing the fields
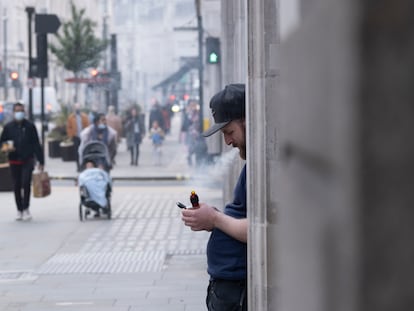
x=263 y=44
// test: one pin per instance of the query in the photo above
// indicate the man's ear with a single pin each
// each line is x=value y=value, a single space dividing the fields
x=243 y=122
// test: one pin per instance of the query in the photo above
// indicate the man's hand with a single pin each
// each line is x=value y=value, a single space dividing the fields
x=207 y=218
x=202 y=218
x=6 y=148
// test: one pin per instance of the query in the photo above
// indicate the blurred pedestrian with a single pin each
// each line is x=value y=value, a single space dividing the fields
x=193 y=130
x=21 y=142
x=166 y=119
x=156 y=115
x=157 y=138
x=100 y=131
x=93 y=112
x=76 y=122
x=227 y=246
x=185 y=124
x=200 y=150
x=114 y=121
x=134 y=132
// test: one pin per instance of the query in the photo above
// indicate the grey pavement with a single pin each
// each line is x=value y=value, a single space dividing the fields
x=142 y=259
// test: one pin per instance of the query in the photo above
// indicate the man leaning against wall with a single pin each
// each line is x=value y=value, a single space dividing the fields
x=227 y=245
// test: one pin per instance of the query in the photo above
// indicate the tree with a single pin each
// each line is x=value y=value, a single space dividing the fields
x=79 y=48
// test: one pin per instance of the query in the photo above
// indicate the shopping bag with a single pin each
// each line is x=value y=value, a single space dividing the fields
x=41 y=184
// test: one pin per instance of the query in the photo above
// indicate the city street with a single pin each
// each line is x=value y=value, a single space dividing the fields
x=144 y=258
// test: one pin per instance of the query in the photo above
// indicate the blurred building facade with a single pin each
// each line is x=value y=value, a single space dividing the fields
x=14 y=44
x=155 y=39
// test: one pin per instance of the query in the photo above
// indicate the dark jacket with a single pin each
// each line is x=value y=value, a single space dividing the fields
x=134 y=138
x=226 y=256
x=156 y=115
x=25 y=140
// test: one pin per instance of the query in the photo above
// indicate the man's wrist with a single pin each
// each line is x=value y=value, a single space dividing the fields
x=216 y=216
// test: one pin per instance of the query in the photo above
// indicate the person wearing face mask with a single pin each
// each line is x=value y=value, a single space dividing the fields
x=100 y=131
x=23 y=148
x=76 y=122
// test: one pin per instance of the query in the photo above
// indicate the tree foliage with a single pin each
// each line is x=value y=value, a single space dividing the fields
x=78 y=48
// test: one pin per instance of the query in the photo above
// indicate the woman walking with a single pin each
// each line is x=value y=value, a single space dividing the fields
x=134 y=131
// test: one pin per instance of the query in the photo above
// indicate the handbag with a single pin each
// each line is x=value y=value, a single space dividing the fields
x=41 y=184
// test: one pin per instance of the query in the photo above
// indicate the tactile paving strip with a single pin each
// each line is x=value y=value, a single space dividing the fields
x=10 y=276
x=145 y=229
x=146 y=223
x=122 y=262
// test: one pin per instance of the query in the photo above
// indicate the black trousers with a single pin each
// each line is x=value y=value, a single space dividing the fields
x=76 y=142
x=224 y=295
x=134 y=154
x=22 y=179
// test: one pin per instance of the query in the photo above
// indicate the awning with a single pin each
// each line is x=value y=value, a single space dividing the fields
x=176 y=76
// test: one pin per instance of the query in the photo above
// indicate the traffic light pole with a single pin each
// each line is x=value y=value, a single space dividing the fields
x=30 y=11
x=107 y=92
x=114 y=71
x=200 y=64
x=44 y=24
x=42 y=112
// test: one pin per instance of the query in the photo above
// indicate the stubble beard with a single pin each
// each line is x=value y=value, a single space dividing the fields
x=242 y=151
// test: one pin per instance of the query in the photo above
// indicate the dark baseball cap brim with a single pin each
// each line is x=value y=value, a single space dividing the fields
x=215 y=128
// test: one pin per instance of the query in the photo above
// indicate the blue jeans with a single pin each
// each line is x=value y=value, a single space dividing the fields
x=224 y=295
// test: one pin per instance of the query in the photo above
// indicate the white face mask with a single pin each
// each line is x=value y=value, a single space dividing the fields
x=19 y=115
x=101 y=126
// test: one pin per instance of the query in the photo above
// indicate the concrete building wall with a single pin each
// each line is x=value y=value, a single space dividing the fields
x=336 y=173
x=317 y=180
x=385 y=171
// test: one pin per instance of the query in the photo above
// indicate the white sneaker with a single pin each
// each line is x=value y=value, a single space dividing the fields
x=19 y=216
x=26 y=215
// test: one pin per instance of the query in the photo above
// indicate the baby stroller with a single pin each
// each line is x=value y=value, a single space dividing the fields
x=94 y=182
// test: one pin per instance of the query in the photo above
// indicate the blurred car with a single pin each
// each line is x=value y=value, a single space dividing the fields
x=6 y=112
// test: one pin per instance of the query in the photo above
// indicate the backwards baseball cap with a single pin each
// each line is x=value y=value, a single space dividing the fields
x=226 y=106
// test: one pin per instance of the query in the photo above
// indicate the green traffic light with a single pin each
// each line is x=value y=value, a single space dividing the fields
x=213 y=57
